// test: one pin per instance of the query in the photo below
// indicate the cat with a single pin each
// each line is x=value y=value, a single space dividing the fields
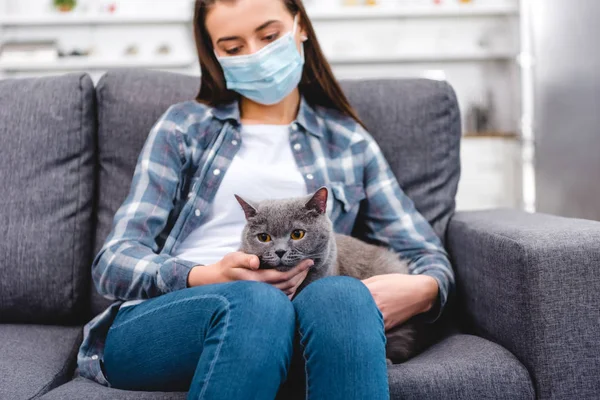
x=283 y=232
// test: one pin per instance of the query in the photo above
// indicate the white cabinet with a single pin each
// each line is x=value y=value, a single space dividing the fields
x=491 y=173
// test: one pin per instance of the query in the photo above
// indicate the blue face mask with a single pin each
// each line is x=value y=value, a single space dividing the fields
x=269 y=75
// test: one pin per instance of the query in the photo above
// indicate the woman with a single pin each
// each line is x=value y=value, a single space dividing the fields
x=191 y=313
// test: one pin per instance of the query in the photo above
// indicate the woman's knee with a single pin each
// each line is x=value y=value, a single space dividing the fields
x=337 y=313
x=345 y=290
x=338 y=303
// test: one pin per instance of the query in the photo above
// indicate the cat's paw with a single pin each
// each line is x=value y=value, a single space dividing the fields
x=388 y=361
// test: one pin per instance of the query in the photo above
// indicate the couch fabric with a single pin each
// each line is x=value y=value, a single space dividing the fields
x=47 y=131
x=531 y=282
x=36 y=358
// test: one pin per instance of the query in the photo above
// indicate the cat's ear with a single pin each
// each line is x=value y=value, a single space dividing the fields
x=249 y=210
x=318 y=201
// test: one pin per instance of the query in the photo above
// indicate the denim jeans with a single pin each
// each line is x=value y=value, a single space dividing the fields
x=239 y=340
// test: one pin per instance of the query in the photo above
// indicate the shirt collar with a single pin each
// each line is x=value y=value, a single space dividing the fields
x=307 y=117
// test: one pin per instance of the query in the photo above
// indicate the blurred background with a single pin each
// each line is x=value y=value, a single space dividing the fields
x=489 y=50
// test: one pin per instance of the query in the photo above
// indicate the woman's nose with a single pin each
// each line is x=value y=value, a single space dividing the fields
x=251 y=48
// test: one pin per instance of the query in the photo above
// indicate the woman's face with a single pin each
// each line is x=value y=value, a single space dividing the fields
x=243 y=27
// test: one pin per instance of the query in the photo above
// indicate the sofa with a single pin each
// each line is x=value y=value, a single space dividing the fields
x=524 y=321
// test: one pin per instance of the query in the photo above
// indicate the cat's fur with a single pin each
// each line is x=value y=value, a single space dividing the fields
x=333 y=253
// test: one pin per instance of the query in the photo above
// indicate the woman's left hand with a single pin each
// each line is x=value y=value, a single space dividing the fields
x=401 y=296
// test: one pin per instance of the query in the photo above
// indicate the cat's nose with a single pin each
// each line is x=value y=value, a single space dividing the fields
x=280 y=253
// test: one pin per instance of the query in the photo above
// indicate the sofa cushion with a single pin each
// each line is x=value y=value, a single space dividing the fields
x=84 y=389
x=460 y=367
x=416 y=123
x=47 y=131
x=36 y=358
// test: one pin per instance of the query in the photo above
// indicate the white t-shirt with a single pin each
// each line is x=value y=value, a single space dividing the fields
x=263 y=168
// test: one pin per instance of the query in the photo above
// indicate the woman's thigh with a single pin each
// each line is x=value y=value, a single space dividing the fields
x=339 y=350
x=166 y=342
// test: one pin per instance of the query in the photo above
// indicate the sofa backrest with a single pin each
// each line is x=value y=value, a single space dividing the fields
x=416 y=123
x=47 y=166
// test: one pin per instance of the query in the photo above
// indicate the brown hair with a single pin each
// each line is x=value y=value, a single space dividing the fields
x=317 y=85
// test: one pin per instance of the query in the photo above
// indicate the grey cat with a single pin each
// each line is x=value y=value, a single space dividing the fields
x=283 y=232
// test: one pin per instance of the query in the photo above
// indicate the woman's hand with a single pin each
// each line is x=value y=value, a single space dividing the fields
x=401 y=296
x=239 y=266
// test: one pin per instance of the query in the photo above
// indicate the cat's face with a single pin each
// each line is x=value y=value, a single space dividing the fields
x=284 y=232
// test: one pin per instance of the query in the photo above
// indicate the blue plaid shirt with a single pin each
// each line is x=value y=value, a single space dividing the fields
x=181 y=165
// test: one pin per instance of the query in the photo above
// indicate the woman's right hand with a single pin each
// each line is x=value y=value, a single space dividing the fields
x=239 y=266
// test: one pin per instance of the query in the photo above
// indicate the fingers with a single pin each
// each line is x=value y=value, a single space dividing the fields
x=273 y=276
x=293 y=290
x=290 y=287
x=240 y=259
x=372 y=279
x=252 y=262
x=291 y=283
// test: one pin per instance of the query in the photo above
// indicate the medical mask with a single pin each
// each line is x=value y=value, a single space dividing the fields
x=269 y=75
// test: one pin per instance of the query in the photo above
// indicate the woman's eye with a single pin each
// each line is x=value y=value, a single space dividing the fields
x=233 y=51
x=264 y=237
x=298 y=234
x=271 y=37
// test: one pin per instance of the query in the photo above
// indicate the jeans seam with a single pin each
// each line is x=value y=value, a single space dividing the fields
x=218 y=350
x=166 y=305
x=305 y=361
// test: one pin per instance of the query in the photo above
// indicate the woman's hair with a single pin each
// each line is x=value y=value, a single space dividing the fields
x=318 y=85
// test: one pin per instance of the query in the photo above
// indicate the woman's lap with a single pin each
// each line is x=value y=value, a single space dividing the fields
x=191 y=339
x=162 y=343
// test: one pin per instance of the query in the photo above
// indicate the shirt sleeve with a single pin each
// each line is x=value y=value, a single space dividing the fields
x=392 y=220
x=128 y=266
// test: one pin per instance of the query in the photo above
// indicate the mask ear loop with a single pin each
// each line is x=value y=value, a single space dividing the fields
x=295 y=25
x=303 y=39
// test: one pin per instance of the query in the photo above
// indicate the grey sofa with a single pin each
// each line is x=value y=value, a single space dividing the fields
x=524 y=323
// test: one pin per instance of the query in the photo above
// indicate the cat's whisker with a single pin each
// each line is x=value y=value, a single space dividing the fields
x=310 y=255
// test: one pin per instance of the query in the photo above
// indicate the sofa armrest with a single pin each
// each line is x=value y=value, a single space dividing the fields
x=531 y=282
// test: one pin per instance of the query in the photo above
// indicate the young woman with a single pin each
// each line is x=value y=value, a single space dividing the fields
x=193 y=314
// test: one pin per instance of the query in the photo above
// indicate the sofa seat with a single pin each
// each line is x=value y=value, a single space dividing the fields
x=464 y=367
x=85 y=389
x=36 y=358
x=458 y=367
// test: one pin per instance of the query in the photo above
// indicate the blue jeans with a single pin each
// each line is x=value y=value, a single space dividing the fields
x=239 y=340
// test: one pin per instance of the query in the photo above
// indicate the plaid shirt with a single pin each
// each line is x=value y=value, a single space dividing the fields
x=178 y=172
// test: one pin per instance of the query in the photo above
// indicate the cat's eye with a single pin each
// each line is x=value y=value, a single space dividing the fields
x=264 y=237
x=297 y=234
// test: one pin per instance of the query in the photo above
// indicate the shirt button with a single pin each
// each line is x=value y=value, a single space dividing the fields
x=217 y=171
x=309 y=176
x=95 y=357
x=197 y=212
x=297 y=146
x=190 y=194
x=234 y=142
x=295 y=126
